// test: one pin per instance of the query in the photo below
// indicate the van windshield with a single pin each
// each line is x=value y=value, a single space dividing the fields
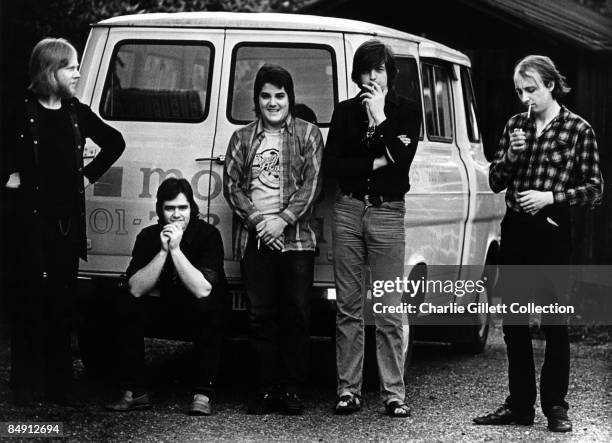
x=151 y=81
x=312 y=68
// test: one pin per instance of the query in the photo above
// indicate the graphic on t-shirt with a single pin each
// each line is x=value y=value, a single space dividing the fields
x=266 y=168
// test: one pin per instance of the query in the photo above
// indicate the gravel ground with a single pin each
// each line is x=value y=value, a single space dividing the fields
x=445 y=392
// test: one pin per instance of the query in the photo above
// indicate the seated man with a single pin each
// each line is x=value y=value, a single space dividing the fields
x=175 y=279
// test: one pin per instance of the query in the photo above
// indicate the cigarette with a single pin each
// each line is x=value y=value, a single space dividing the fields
x=258 y=243
x=529 y=111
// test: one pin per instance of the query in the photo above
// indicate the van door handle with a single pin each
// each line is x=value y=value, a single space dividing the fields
x=220 y=159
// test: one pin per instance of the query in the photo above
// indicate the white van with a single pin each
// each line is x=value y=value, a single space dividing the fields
x=178 y=85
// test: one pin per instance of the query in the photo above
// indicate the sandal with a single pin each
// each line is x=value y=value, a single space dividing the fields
x=397 y=409
x=347 y=404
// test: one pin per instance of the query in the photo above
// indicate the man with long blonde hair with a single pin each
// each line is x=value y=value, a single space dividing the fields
x=47 y=180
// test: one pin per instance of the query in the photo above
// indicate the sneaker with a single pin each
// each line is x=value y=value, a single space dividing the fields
x=263 y=403
x=291 y=404
x=200 y=405
x=130 y=403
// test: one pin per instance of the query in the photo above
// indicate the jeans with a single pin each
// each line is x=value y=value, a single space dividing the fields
x=184 y=315
x=44 y=308
x=533 y=240
x=278 y=286
x=368 y=237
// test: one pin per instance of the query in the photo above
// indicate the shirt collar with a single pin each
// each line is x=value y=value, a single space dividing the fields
x=288 y=126
x=561 y=116
x=563 y=113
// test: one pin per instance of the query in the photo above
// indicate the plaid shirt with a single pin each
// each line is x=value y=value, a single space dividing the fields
x=563 y=159
x=300 y=157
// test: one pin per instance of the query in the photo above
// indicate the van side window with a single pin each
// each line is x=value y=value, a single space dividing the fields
x=438 y=102
x=407 y=81
x=158 y=81
x=469 y=101
x=312 y=67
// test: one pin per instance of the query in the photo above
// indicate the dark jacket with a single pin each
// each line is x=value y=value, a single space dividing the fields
x=21 y=156
x=348 y=157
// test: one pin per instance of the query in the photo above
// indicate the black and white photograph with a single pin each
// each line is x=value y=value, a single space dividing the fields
x=306 y=220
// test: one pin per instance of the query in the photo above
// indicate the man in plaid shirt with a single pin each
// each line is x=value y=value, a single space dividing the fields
x=271 y=181
x=547 y=161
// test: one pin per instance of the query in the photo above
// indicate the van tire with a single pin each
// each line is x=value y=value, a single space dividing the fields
x=476 y=332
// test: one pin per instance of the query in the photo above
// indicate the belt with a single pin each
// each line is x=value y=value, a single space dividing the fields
x=375 y=199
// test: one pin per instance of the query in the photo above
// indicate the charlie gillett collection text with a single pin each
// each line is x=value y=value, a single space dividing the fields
x=472 y=308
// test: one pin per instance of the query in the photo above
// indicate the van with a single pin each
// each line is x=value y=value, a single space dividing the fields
x=178 y=85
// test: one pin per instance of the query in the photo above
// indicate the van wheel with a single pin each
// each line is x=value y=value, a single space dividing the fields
x=476 y=332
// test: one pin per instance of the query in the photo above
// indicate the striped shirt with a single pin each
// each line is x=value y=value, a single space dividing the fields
x=300 y=155
x=563 y=159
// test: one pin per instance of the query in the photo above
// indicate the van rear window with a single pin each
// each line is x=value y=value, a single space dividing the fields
x=312 y=68
x=469 y=101
x=158 y=81
x=407 y=81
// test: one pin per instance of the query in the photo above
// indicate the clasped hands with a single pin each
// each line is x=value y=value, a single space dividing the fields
x=171 y=236
x=270 y=231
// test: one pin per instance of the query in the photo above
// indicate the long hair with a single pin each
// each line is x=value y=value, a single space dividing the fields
x=548 y=72
x=370 y=55
x=275 y=75
x=48 y=56
x=168 y=190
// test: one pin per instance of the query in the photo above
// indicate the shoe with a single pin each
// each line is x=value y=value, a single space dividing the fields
x=291 y=404
x=347 y=404
x=65 y=398
x=128 y=403
x=505 y=416
x=558 y=420
x=200 y=405
x=263 y=403
x=397 y=409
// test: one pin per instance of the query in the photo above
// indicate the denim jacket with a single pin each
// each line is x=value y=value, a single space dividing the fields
x=300 y=157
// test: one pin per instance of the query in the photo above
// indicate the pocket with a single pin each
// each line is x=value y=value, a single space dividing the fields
x=346 y=201
x=559 y=153
x=397 y=206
